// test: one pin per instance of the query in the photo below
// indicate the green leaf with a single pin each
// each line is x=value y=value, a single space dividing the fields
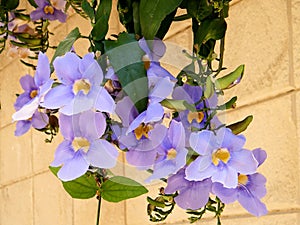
x=240 y=126
x=88 y=9
x=209 y=88
x=32 y=2
x=83 y=187
x=165 y=25
x=102 y=16
x=66 y=45
x=54 y=170
x=229 y=105
x=10 y=4
x=210 y=29
x=178 y=105
x=125 y=56
x=120 y=188
x=230 y=79
x=136 y=17
x=125 y=8
x=156 y=203
x=152 y=13
x=30 y=41
x=199 y=9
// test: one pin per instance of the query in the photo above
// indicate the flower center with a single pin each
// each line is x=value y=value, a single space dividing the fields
x=142 y=130
x=48 y=9
x=221 y=154
x=80 y=143
x=243 y=179
x=197 y=116
x=146 y=61
x=172 y=153
x=33 y=93
x=81 y=85
x=109 y=86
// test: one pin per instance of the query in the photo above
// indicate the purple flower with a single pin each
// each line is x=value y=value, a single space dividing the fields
x=153 y=113
x=172 y=152
x=221 y=157
x=38 y=120
x=152 y=57
x=34 y=90
x=192 y=194
x=46 y=10
x=193 y=95
x=251 y=188
x=140 y=134
x=80 y=88
x=82 y=145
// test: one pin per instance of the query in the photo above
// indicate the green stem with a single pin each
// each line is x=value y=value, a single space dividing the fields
x=222 y=48
x=98 y=211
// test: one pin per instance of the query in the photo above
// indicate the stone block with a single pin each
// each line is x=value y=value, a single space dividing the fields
x=81 y=45
x=85 y=212
x=52 y=204
x=289 y=218
x=16 y=203
x=295 y=20
x=15 y=155
x=258 y=36
x=43 y=153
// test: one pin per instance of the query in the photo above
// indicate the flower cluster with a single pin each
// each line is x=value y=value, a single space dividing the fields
x=177 y=136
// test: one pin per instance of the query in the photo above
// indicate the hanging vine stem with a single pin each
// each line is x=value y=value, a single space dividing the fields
x=99 y=209
x=4 y=39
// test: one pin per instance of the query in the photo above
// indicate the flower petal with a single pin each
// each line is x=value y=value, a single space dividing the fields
x=79 y=103
x=66 y=68
x=63 y=153
x=194 y=197
x=22 y=127
x=257 y=184
x=104 y=102
x=27 y=83
x=161 y=170
x=68 y=126
x=39 y=120
x=251 y=203
x=202 y=142
x=200 y=169
x=143 y=159
x=227 y=195
x=154 y=113
x=260 y=155
x=102 y=154
x=42 y=73
x=27 y=110
x=225 y=175
x=126 y=111
x=229 y=140
x=90 y=69
x=176 y=182
x=74 y=168
x=57 y=97
x=37 y=14
x=176 y=134
x=161 y=90
x=92 y=124
x=243 y=161
x=22 y=100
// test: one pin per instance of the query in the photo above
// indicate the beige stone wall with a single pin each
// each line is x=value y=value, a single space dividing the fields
x=264 y=35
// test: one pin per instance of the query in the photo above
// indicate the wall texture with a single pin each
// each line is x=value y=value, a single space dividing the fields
x=264 y=35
